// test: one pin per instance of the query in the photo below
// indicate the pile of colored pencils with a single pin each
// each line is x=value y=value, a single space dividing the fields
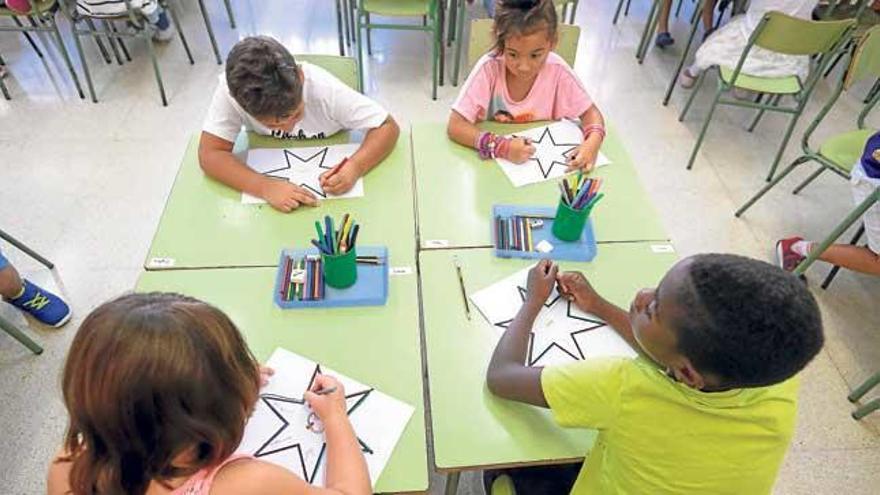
x=581 y=193
x=305 y=279
x=332 y=242
x=514 y=233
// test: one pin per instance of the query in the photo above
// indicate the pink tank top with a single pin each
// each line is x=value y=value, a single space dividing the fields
x=200 y=483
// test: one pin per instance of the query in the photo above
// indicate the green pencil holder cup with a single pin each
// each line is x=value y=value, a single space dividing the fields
x=569 y=223
x=340 y=270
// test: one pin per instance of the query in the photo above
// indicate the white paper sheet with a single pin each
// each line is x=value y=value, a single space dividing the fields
x=561 y=334
x=303 y=167
x=552 y=145
x=276 y=432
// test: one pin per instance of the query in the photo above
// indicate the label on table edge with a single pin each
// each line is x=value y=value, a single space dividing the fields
x=160 y=263
x=662 y=248
x=436 y=243
x=400 y=270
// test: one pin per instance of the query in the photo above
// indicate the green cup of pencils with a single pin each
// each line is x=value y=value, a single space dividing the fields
x=576 y=202
x=338 y=251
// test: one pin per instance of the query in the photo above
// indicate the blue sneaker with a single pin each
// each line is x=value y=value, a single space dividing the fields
x=663 y=40
x=46 y=307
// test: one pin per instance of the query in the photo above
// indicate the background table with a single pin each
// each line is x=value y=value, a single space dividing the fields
x=455 y=192
x=204 y=224
x=471 y=427
x=379 y=346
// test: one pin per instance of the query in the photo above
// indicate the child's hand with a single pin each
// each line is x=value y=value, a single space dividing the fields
x=328 y=406
x=575 y=287
x=286 y=197
x=265 y=373
x=584 y=156
x=340 y=182
x=542 y=279
x=521 y=149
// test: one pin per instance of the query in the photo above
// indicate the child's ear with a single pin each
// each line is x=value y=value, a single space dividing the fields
x=686 y=373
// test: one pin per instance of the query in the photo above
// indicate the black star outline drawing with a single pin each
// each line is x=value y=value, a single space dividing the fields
x=353 y=401
x=576 y=353
x=294 y=161
x=541 y=166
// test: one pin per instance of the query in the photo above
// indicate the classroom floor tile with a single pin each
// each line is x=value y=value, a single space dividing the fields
x=85 y=185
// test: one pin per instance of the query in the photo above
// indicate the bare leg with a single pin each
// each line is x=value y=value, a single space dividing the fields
x=665 y=10
x=709 y=15
x=855 y=258
x=10 y=282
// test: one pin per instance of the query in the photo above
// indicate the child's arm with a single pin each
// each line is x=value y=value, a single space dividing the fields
x=593 y=124
x=378 y=144
x=219 y=163
x=575 y=287
x=508 y=376
x=465 y=133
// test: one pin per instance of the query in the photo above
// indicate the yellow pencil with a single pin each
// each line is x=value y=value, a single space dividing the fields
x=529 y=233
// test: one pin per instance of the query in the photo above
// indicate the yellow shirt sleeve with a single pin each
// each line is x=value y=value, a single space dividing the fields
x=585 y=394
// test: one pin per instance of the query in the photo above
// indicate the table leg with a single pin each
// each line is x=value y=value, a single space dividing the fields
x=684 y=54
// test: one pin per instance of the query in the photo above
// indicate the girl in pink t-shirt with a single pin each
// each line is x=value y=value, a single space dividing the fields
x=159 y=387
x=522 y=80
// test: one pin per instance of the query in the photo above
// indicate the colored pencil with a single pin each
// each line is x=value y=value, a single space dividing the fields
x=335 y=170
x=529 y=234
x=283 y=289
x=339 y=234
x=354 y=235
x=299 y=285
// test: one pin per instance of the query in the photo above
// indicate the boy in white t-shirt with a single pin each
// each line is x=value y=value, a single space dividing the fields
x=267 y=92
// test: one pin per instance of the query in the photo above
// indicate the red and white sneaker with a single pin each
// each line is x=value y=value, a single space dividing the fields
x=786 y=258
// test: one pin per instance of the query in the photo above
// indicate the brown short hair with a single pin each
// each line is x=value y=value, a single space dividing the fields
x=150 y=377
x=519 y=17
x=263 y=77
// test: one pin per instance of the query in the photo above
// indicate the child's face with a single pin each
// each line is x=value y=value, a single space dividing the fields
x=651 y=315
x=284 y=123
x=524 y=55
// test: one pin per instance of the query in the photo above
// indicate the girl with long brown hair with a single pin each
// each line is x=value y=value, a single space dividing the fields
x=158 y=388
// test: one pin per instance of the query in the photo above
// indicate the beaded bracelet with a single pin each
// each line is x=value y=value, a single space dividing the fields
x=597 y=128
x=485 y=145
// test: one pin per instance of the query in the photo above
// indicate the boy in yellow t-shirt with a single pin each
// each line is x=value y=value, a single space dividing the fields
x=708 y=407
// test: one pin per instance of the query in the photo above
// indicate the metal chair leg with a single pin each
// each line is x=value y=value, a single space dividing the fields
x=782 y=145
x=626 y=12
x=436 y=55
x=438 y=21
x=453 y=19
x=20 y=336
x=369 y=38
x=684 y=54
x=104 y=54
x=348 y=27
x=82 y=57
x=866 y=409
x=210 y=33
x=650 y=28
x=28 y=37
x=4 y=90
x=66 y=57
x=754 y=199
x=230 y=13
x=705 y=128
x=693 y=96
x=864 y=388
x=459 y=39
x=836 y=268
x=617 y=12
x=774 y=101
x=873 y=92
x=26 y=250
x=808 y=180
x=112 y=41
x=452 y=483
x=339 y=32
x=156 y=71
x=122 y=46
x=359 y=48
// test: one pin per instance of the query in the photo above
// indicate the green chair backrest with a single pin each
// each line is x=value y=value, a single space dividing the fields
x=794 y=36
x=398 y=8
x=343 y=68
x=482 y=41
x=866 y=59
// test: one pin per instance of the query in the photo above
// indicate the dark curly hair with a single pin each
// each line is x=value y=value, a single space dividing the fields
x=749 y=322
x=263 y=78
x=519 y=17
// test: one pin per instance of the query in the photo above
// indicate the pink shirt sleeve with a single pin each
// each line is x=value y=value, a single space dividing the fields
x=572 y=99
x=476 y=94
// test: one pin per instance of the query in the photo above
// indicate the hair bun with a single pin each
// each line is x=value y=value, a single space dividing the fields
x=520 y=4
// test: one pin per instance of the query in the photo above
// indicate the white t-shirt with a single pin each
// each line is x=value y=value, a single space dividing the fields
x=330 y=106
x=795 y=8
x=99 y=8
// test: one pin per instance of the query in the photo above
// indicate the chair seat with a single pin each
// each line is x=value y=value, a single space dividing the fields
x=846 y=149
x=42 y=6
x=403 y=8
x=772 y=85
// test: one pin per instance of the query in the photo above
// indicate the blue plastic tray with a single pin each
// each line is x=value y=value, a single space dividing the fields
x=371 y=288
x=584 y=249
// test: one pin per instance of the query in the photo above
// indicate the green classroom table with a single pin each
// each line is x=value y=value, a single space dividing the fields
x=379 y=346
x=472 y=428
x=456 y=191
x=204 y=224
